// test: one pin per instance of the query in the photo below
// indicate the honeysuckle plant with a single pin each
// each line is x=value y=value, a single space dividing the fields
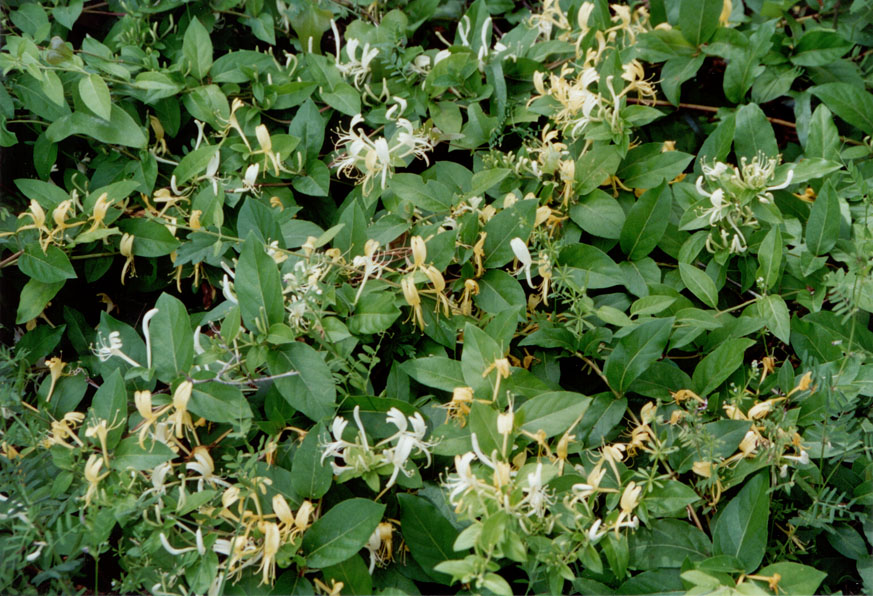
x=421 y=297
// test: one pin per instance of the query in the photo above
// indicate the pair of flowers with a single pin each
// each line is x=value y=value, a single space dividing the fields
x=361 y=458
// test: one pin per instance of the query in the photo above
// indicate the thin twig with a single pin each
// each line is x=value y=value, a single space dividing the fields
x=598 y=372
x=11 y=259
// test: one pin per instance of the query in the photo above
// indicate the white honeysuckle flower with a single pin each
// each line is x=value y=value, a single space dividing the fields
x=357 y=68
x=537 y=498
x=594 y=532
x=440 y=56
x=227 y=290
x=107 y=348
x=406 y=442
x=35 y=554
x=372 y=266
x=249 y=179
x=205 y=467
x=367 y=159
x=464 y=480
x=802 y=459
x=159 y=476
x=148 y=338
x=198 y=349
x=172 y=550
x=519 y=249
x=715 y=171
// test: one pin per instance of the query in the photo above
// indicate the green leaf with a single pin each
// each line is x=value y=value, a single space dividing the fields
x=552 y=412
x=675 y=72
x=499 y=292
x=67 y=15
x=120 y=129
x=311 y=390
x=823 y=139
x=635 y=352
x=666 y=543
x=719 y=364
x=487 y=179
x=480 y=352
x=646 y=222
x=53 y=88
x=34 y=297
x=851 y=103
x=741 y=528
x=819 y=48
x=775 y=313
x=754 y=133
x=258 y=287
x=438 y=372
x=343 y=98
x=770 y=257
x=514 y=222
x=341 y=532
x=647 y=166
x=311 y=478
x=431 y=196
x=194 y=163
x=220 y=403
x=110 y=404
x=598 y=214
x=95 y=95
x=130 y=455
x=823 y=226
x=31 y=19
x=197 y=48
x=698 y=19
x=590 y=267
x=353 y=573
x=172 y=339
x=797 y=579
x=151 y=239
x=375 y=312
x=700 y=284
x=428 y=534
x=46 y=194
x=49 y=267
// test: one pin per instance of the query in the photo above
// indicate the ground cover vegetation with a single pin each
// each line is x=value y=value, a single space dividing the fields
x=436 y=297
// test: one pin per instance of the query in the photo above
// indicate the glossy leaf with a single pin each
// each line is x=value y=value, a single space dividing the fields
x=341 y=532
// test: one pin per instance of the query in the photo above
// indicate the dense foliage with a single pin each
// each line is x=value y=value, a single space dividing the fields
x=425 y=297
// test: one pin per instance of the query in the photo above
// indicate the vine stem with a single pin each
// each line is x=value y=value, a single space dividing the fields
x=598 y=372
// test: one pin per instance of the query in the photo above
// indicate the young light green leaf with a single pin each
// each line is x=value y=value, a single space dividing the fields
x=775 y=313
x=197 y=48
x=770 y=257
x=754 y=133
x=699 y=283
x=258 y=287
x=172 y=340
x=552 y=412
x=51 y=266
x=95 y=95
